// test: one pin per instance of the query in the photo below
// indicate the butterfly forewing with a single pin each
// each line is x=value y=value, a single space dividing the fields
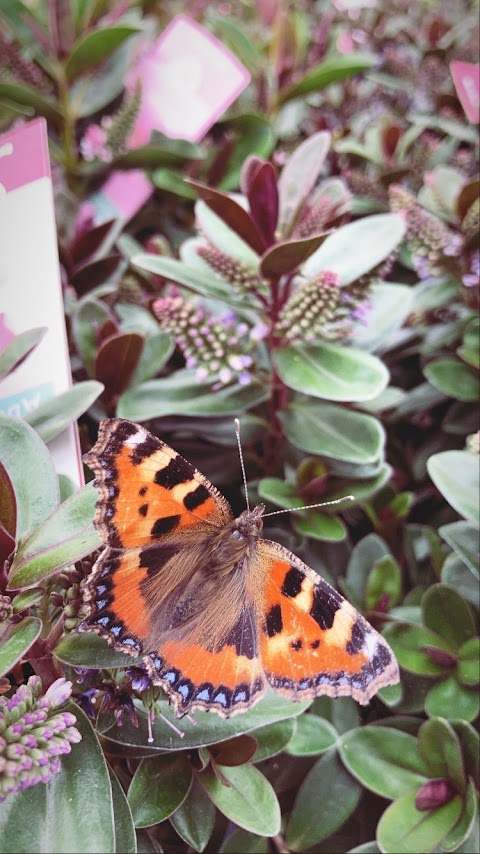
x=147 y=490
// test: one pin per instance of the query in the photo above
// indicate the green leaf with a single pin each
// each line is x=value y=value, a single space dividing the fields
x=463 y=538
x=254 y=134
x=62 y=539
x=159 y=786
x=168 y=179
x=161 y=150
x=445 y=612
x=389 y=306
x=243 y=842
x=207 y=728
x=195 y=817
x=363 y=558
x=453 y=378
x=331 y=70
x=356 y=248
x=403 y=829
x=72 y=812
x=205 y=284
x=468 y=670
x=94 y=47
x=88 y=319
x=19 y=349
x=181 y=394
x=467 y=822
x=93 y=92
x=312 y=735
x=298 y=178
x=451 y=700
x=384 y=580
x=342 y=712
x=273 y=739
x=89 y=650
x=248 y=798
x=53 y=416
x=408 y=642
x=456 y=574
x=23 y=452
x=27 y=97
x=334 y=431
x=470 y=741
x=439 y=747
x=456 y=474
x=384 y=760
x=330 y=371
x=326 y=799
x=320 y=526
x=124 y=828
x=16 y=641
x=156 y=352
x=26 y=599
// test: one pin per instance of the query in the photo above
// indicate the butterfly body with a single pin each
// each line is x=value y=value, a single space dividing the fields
x=218 y=613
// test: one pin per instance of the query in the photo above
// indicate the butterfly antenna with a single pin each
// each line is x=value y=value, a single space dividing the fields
x=311 y=506
x=240 y=452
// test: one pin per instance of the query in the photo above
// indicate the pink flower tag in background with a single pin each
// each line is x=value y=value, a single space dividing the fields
x=30 y=289
x=466 y=77
x=188 y=80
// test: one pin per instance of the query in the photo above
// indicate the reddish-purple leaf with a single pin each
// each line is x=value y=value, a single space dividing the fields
x=96 y=273
x=390 y=139
x=434 y=794
x=19 y=348
x=7 y=544
x=467 y=196
x=116 y=361
x=263 y=200
x=440 y=656
x=89 y=242
x=249 y=169
x=8 y=503
x=287 y=256
x=60 y=22
x=236 y=217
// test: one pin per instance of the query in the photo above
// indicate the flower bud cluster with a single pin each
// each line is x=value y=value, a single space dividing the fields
x=21 y=68
x=316 y=218
x=6 y=610
x=122 y=123
x=218 y=347
x=67 y=594
x=33 y=735
x=242 y=277
x=310 y=309
x=429 y=240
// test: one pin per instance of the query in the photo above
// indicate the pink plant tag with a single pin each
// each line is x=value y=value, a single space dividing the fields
x=466 y=77
x=120 y=197
x=188 y=80
x=30 y=288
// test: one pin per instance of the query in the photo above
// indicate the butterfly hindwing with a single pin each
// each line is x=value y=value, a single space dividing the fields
x=227 y=679
x=312 y=641
x=148 y=491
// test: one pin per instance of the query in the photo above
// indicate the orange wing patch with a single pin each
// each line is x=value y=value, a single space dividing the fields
x=312 y=641
x=147 y=490
x=116 y=606
x=228 y=680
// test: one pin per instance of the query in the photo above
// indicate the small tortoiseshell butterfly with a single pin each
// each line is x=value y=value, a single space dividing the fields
x=217 y=612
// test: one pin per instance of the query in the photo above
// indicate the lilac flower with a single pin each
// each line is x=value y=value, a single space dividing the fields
x=33 y=734
x=219 y=348
x=93 y=144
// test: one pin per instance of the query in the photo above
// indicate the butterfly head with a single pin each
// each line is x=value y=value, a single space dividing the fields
x=249 y=524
